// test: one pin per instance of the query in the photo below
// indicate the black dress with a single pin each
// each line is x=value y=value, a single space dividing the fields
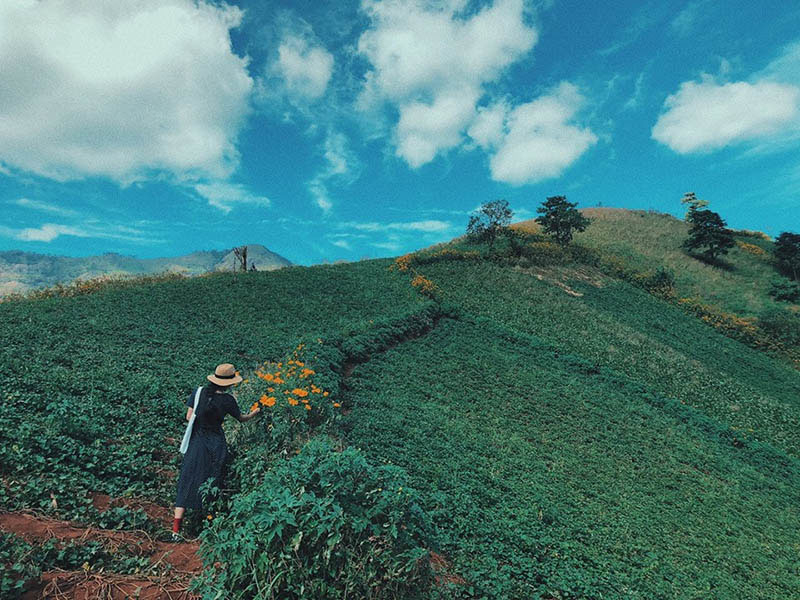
x=207 y=449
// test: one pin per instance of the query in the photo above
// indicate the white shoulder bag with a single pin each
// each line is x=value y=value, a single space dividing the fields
x=188 y=434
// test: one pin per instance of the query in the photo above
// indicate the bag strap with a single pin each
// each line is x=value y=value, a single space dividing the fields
x=196 y=399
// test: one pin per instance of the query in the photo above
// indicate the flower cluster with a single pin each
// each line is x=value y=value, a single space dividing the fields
x=289 y=384
x=402 y=263
x=751 y=248
x=423 y=284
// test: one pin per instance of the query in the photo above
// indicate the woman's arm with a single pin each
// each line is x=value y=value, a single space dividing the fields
x=189 y=413
x=250 y=415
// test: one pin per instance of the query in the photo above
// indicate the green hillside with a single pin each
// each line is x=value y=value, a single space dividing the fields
x=549 y=430
x=647 y=241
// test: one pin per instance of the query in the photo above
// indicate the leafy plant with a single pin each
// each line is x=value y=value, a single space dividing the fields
x=322 y=524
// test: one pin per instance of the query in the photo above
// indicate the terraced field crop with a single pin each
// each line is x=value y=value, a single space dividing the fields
x=617 y=325
x=550 y=477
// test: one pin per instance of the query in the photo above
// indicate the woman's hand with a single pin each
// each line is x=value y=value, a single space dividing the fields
x=250 y=415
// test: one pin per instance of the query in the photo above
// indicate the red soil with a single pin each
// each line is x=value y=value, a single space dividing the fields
x=441 y=567
x=78 y=585
x=160 y=514
x=182 y=557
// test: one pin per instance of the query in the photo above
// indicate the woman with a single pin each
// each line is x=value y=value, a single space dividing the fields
x=207 y=449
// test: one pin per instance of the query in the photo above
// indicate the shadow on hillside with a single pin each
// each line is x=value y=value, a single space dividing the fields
x=717 y=262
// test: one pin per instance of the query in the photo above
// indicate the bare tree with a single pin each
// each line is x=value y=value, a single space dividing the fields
x=240 y=260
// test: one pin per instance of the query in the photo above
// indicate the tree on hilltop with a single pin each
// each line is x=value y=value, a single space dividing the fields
x=490 y=221
x=692 y=202
x=561 y=219
x=787 y=253
x=708 y=231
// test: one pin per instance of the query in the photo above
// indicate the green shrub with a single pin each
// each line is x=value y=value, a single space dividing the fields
x=660 y=282
x=788 y=291
x=323 y=524
x=782 y=325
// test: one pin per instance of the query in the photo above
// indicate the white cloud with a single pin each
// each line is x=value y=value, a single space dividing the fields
x=706 y=115
x=487 y=128
x=342 y=244
x=390 y=246
x=305 y=68
x=786 y=67
x=429 y=226
x=44 y=207
x=535 y=140
x=425 y=129
x=225 y=196
x=341 y=166
x=47 y=232
x=430 y=64
x=636 y=98
x=687 y=20
x=120 y=89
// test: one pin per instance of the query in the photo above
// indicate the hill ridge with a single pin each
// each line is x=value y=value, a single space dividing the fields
x=22 y=271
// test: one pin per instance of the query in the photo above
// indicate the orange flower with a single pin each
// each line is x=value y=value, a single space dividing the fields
x=270 y=389
x=255 y=406
x=293 y=401
x=324 y=393
x=300 y=364
x=308 y=407
x=267 y=400
x=300 y=392
x=336 y=405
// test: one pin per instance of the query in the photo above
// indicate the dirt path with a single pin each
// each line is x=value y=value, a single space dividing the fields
x=181 y=559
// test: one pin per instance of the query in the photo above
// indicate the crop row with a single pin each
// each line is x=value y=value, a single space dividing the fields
x=549 y=476
x=617 y=325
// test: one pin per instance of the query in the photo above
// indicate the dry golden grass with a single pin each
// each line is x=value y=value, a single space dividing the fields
x=646 y=241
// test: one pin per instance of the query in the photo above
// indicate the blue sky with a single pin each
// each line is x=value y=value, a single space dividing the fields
x=341 y=130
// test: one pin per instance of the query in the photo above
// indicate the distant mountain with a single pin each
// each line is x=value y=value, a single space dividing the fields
x=23 y=271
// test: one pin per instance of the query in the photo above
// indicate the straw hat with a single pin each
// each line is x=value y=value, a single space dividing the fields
x=225 y=375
